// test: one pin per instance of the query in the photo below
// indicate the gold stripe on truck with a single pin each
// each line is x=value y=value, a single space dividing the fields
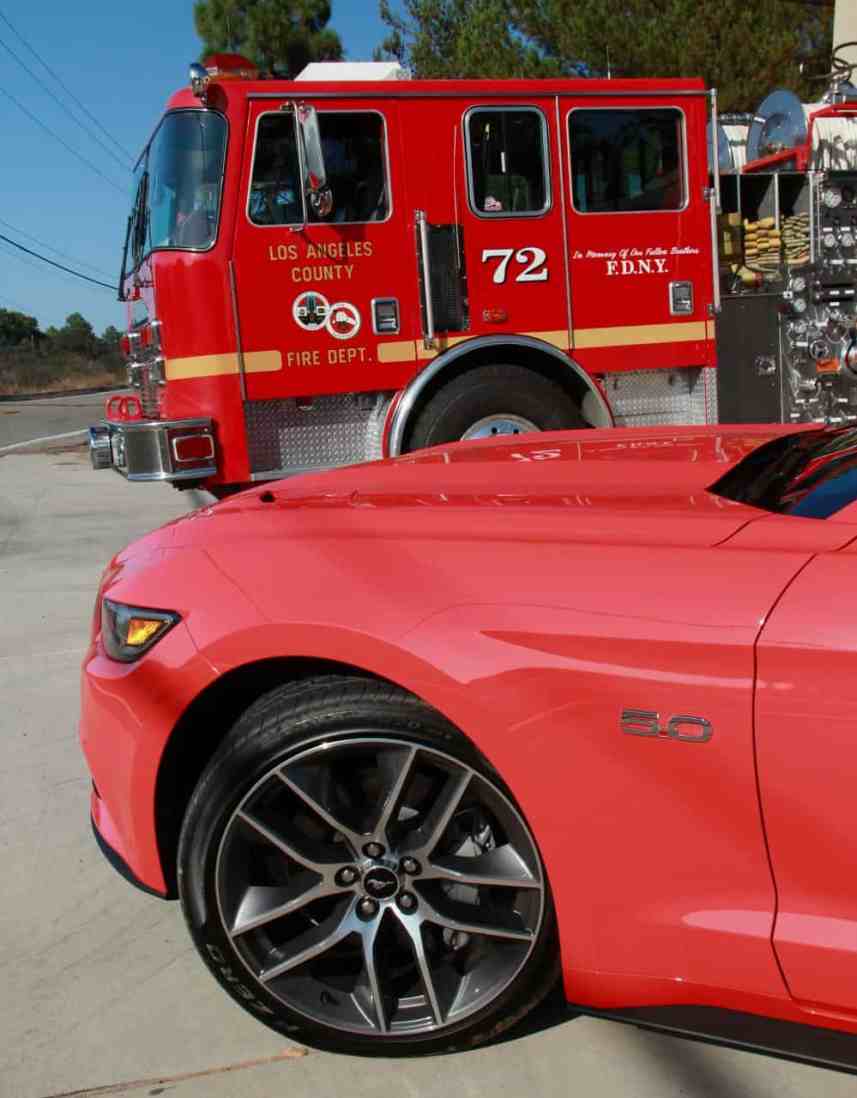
x=557 y=338
x=404 y=350
x=639 y=334
x=412 y=350
x=255 y=362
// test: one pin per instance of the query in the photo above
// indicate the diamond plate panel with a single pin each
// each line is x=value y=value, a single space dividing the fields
x=643 y=398
x=333 y=430
x=709 y=384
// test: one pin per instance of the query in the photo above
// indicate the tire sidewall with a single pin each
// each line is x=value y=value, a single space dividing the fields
x=232 y=773
x=493 y=390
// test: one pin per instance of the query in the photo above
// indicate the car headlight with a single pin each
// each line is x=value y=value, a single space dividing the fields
x=129 y=631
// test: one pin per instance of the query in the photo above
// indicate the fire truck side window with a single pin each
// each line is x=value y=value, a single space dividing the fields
x=355 y=160
x=275 y=190
x=626 y=160
x=507 y=151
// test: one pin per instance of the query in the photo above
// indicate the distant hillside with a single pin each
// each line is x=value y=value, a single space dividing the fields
x=26 y=370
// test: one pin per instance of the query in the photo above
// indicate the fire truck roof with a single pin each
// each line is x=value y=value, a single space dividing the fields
x=447 y=89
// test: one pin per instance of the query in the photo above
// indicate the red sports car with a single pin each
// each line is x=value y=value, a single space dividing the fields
x=410 y=740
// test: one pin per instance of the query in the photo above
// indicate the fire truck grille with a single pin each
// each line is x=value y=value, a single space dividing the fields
x=284 y=436
x=641 y=398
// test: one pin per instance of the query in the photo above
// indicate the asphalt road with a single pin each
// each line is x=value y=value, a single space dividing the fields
x=100 y=985
x=23 y=420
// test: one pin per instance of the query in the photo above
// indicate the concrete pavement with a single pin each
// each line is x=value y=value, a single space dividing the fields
x=101 y=987
x=21 y=420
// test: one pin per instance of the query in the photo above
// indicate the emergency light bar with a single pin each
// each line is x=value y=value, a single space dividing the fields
x=220 y=66
x=230 y=66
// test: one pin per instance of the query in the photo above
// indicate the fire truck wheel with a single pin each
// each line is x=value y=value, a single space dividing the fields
x=494 y=400
x=312 y=875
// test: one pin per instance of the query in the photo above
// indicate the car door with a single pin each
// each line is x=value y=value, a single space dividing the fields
x=806 y=742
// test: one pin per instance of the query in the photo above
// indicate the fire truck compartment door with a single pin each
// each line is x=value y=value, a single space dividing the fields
x=307 y=276
x=639 y=232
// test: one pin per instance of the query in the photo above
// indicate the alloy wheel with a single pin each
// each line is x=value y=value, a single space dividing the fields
x=379 y=886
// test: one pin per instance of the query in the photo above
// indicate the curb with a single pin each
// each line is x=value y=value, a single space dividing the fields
x=67 y=441
x=19 y=398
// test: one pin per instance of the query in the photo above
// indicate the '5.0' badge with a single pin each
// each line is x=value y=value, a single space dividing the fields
x=644 y=722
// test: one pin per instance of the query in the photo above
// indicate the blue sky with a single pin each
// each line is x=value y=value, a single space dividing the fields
x=121 y=61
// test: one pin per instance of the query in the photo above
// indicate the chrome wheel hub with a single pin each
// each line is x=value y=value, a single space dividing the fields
x=503 y=424
x=379 y=887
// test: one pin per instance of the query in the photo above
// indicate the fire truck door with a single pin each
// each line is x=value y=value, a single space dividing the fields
x=318 y=288
x=512 y=218
x=639 y=233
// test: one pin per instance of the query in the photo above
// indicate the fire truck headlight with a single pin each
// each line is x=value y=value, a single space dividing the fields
x=199 y=80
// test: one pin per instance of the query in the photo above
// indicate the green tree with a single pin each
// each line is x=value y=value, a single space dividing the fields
x=76 y=335
x=17 y=328
x=280 y=36
x=744 y=48
x=108 y=342
x=445 y=39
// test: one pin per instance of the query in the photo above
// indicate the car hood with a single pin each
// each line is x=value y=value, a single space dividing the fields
x=647 y=486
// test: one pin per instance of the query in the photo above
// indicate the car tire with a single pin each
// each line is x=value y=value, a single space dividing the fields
x=494 y=400
x=410 y=956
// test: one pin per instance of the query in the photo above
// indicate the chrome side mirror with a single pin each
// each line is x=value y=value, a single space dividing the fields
x=313 y=153
x=321 y=201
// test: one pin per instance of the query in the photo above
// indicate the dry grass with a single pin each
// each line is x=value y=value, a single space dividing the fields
x=23 y=372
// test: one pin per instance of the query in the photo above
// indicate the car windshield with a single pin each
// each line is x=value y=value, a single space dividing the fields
x=812 y=474
x=178 y=183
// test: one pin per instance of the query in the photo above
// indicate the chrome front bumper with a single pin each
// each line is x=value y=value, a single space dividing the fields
x=171 y=450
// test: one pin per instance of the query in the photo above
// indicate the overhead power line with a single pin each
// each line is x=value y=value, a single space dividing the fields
x=60 y=266
x=125 y=164
x=56 y=251
x=65 y=87
x=65 y=144
x=71 y=280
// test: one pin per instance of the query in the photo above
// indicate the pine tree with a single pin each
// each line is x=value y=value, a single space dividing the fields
x=445 y=39
x=744 y=48
x=280 y=36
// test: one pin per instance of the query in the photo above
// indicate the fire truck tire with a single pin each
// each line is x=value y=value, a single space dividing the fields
x=502 y=399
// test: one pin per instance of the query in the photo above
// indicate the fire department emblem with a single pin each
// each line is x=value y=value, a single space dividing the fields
x=343 y=320
x=311 y=311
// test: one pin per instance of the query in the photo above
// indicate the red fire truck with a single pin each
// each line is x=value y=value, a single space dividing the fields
x=324 y=271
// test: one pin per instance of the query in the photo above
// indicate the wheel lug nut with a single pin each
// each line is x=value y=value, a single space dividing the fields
x=367 y=908
x=347 y=875
x=410 y=865
x=407 y=901
x=373 y=850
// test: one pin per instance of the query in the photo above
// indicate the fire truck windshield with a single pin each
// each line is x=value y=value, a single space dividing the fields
x=179 y=178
